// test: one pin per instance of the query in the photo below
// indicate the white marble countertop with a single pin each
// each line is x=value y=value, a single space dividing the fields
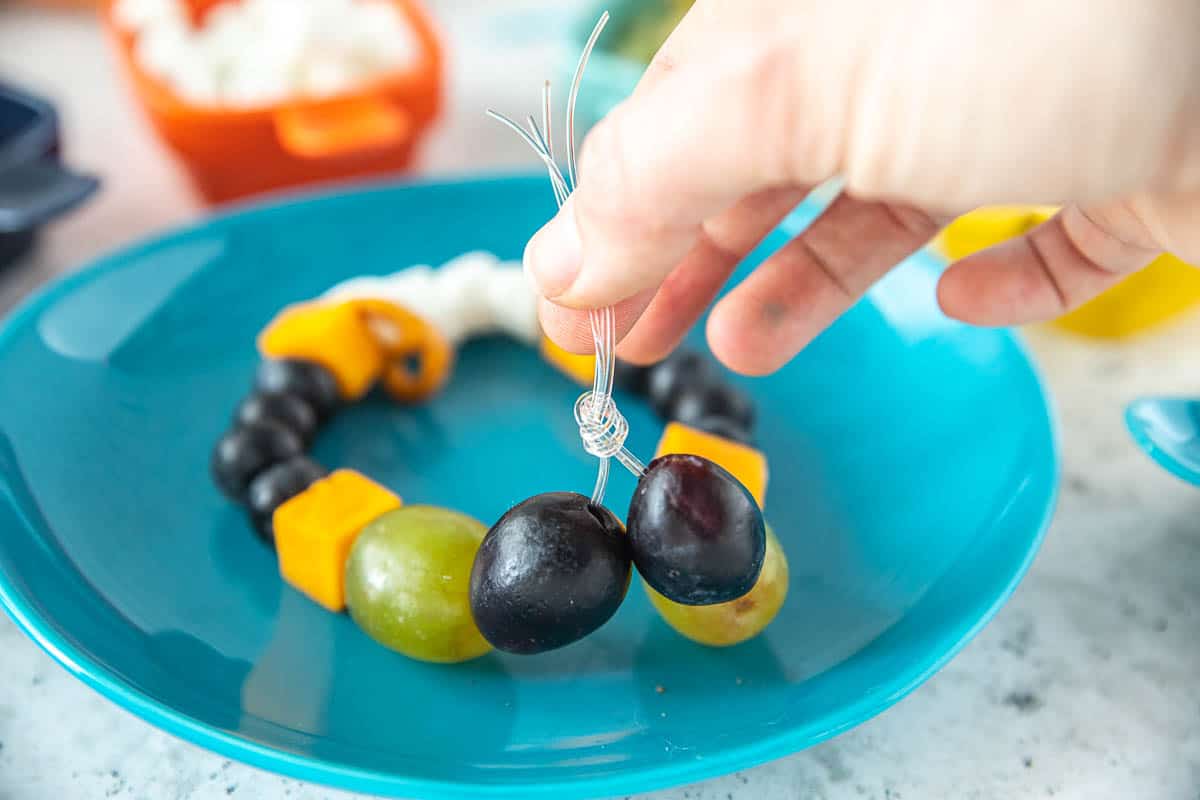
x=1083 y=687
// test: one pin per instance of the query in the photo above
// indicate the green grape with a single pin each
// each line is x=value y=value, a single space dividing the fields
x=407 y=582
x=736 y=621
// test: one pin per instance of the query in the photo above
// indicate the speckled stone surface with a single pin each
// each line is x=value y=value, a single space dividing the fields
x=1084 y=687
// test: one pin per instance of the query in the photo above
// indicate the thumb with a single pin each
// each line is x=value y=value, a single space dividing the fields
x=683 y=148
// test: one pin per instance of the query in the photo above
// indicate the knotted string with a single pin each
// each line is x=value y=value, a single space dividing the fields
x=602 y=427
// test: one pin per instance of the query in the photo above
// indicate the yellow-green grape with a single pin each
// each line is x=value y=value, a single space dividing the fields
x=729 y=623
x=407 y=580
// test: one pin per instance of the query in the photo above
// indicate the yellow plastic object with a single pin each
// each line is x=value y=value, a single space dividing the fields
x=333 y=335
x=315 y=530
x=742 y=461
x=417 y=358
x=985 y=227
x=1165 y=288
x=577 y=367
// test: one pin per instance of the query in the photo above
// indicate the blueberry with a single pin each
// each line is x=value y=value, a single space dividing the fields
x=246 y=451
x=550 y=571
x=290 y=410
x=712 y=398
x=275 y=486
x=309 y=380
x=669 y=378
x=696 y=533
x=725 y=428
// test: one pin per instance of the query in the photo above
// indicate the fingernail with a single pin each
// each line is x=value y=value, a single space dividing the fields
x=555 y=255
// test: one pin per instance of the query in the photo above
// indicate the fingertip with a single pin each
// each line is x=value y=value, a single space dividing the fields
x=639 y=360
x=643 y=352
x=727 y=332
x=571 y=328
x=566 y=327
x=661 y=325
x=950 y=294
x=1000 y=286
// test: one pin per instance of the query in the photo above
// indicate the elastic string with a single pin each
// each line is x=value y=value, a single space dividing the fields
x=602 y=427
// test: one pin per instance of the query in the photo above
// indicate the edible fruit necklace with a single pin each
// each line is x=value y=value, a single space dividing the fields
x=433 y=583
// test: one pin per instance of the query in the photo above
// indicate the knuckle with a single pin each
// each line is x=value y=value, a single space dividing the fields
x=786 y=113
x=1114 y=239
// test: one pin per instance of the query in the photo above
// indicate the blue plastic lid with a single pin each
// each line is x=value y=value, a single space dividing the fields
x=34 y=186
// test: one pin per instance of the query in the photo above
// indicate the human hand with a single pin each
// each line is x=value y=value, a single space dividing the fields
x=925 y=110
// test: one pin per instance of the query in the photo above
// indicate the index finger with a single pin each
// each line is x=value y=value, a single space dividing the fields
x=682 y=149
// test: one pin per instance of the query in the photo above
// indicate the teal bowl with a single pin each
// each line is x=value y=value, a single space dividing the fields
x=913 y=472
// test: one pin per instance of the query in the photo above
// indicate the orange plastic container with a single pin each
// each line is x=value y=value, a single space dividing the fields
x=235 y=152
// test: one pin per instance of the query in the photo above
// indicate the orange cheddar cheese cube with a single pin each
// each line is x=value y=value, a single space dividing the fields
x=742 y=461
x=315 y=530
x=575 y=366
x=334 y=335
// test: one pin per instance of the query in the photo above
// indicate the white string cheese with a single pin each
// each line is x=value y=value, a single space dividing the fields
x=472 y=295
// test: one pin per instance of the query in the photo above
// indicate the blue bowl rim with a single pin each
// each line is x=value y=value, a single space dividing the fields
x=1163 y=459
x=102 y=679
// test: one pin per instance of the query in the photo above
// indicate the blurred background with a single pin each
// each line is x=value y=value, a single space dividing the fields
x=120 y=119
x=163 y=156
